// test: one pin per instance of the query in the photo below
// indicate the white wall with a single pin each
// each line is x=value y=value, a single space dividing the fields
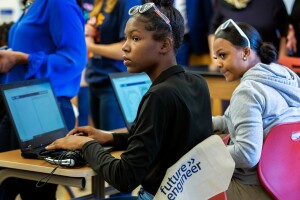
x=10 y=10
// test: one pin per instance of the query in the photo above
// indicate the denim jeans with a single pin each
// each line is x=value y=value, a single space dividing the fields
x=67 y=111
x=144 y=195
x=83 y=106
x=182 y=55
x=105 y=111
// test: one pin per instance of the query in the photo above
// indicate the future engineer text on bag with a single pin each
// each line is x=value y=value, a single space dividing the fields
x=202 y=173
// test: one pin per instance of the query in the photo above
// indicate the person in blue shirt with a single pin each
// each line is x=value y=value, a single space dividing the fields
x=104 y=38
x=47 y=41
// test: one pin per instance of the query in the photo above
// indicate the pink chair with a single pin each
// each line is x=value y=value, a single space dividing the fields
x=220 y=196
x=279 y=165
x=226 y=139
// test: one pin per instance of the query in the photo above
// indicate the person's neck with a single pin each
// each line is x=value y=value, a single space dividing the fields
x=162 y=66
x=253 y=59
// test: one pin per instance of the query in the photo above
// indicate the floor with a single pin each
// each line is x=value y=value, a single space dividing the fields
x=63 y=194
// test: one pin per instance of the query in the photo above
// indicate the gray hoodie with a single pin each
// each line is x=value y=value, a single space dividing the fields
x=266 y=96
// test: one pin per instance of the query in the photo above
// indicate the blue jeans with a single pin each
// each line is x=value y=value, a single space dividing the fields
x=183 y=53
x=83 y=106
x=105 y=110
x=144 y=195
x=67 y=111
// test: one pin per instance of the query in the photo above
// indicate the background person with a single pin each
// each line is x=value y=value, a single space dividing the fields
x=268 y=17
x=42 y=43
x=293 y=37
x=268 y=94
x=272 y=24
x=173 y=116
x=197 y=17
x=104 y=38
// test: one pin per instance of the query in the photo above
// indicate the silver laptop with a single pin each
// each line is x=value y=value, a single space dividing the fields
x=129 y=89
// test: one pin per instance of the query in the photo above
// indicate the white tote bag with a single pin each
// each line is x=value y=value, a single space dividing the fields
x=202 y=173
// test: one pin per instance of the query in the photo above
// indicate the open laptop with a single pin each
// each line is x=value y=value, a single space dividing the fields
x=129 y=89
x=36 y=117
x=34 y=113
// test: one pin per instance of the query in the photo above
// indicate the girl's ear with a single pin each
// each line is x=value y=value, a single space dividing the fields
x=246 y=51
x=166 y=45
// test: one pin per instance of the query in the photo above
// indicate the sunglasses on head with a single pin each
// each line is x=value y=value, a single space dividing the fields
x=143 y=8
x=241 y=32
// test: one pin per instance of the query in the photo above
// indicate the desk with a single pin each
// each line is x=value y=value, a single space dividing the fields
x=14 y=165
x=219 y=88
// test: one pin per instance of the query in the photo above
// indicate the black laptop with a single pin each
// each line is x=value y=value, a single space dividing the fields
x=34 y=113
x=129 y=89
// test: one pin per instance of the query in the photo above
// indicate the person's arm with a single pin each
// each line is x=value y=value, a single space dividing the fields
x=120 y=140
x=143 y=146
x=112 y=51
x=79 y=136
x=291 y=44
x=219 y=124
x=213 y=65
x=246 y=109
x=282 y=47
x=127 y=173
x=211 y=38
x=8 y=59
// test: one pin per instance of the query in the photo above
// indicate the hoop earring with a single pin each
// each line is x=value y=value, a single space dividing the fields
x=244 y=58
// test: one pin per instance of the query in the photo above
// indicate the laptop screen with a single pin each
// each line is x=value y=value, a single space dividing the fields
x=34 y=111
x=129 y=89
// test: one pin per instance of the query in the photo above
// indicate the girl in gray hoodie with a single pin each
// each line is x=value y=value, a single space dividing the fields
x=268 y=94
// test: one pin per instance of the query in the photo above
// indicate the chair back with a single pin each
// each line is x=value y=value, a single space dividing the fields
x=279 y=165
x=220 y=196
x=291 y=62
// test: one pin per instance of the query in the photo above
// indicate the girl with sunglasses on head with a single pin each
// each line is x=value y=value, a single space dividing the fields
x=174 y=115
x=268 y=94
x=272 y=24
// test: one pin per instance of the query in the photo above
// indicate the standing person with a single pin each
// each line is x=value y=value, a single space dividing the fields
x=82 y=98
x=174 y=115
x=104 y=38
x=293 y=37
x=42 y=43
x=197 y=17
x=268 y=94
